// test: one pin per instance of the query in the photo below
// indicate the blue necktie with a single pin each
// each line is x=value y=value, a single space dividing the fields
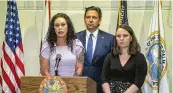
x=89 y=49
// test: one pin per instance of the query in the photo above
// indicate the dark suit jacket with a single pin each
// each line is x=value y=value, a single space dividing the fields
x=103 y=46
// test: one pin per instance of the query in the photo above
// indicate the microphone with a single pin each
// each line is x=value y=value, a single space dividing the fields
x=57 y=60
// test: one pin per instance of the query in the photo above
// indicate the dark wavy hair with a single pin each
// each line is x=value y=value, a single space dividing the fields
x=134 y=45
x=51 y=36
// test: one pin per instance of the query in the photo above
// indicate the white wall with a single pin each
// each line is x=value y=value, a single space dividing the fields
x=31 y=27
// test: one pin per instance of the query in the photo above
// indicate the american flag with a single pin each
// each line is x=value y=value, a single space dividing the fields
x=11 y=63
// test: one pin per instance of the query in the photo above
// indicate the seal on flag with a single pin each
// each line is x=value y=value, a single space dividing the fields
x=156 y=57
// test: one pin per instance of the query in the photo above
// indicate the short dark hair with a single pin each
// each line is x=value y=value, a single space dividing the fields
x=51 y=35
x=134 y=45
x=97 y=9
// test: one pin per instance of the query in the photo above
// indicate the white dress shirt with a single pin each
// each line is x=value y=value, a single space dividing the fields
x=94 y=38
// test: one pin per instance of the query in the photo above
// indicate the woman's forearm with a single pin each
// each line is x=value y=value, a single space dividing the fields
x=79 y=69
x=44 y=73
x=106 y=88
x=44 y=66
x=132 y=89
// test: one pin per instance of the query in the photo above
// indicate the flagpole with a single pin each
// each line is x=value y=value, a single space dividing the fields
x=119 y=13
x=157 y=3
x=50 y=9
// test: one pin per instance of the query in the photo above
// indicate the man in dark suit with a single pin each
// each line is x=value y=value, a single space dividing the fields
x=97 y=44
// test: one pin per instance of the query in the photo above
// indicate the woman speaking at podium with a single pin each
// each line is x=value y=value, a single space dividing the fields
x=61 y=54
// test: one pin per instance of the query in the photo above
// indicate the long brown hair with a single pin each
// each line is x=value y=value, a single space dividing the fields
x=134 y=45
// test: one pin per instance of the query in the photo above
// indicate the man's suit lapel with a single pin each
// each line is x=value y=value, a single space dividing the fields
x=83 y=38
x=98 y=47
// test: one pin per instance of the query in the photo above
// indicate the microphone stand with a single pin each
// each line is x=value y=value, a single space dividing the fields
x=56 y=68
x=56 y=73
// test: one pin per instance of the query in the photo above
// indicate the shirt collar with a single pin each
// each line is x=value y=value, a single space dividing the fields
x=95 y=33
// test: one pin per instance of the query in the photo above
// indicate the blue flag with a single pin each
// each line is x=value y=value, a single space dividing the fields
x=122 y=13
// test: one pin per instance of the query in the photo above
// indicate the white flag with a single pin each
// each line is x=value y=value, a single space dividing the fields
x=46 y=18
x=156 y=79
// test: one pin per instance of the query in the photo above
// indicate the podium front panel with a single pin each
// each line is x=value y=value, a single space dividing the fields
x=31 y=84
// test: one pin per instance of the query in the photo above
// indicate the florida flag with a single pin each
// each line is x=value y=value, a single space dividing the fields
x=156 y=79
x=46 y=18
x=11 y=63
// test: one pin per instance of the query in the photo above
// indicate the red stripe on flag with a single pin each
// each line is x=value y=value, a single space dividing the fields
x=0 y=76
x=7 y=79
x=17 y=77
x=1 y=90
x=19 y=62
x=21 y=47
x=11 y=65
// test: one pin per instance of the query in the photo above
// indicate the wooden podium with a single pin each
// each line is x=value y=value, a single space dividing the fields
x=31 y=84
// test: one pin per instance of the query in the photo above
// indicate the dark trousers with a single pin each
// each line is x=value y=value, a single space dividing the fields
x=99 y=88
